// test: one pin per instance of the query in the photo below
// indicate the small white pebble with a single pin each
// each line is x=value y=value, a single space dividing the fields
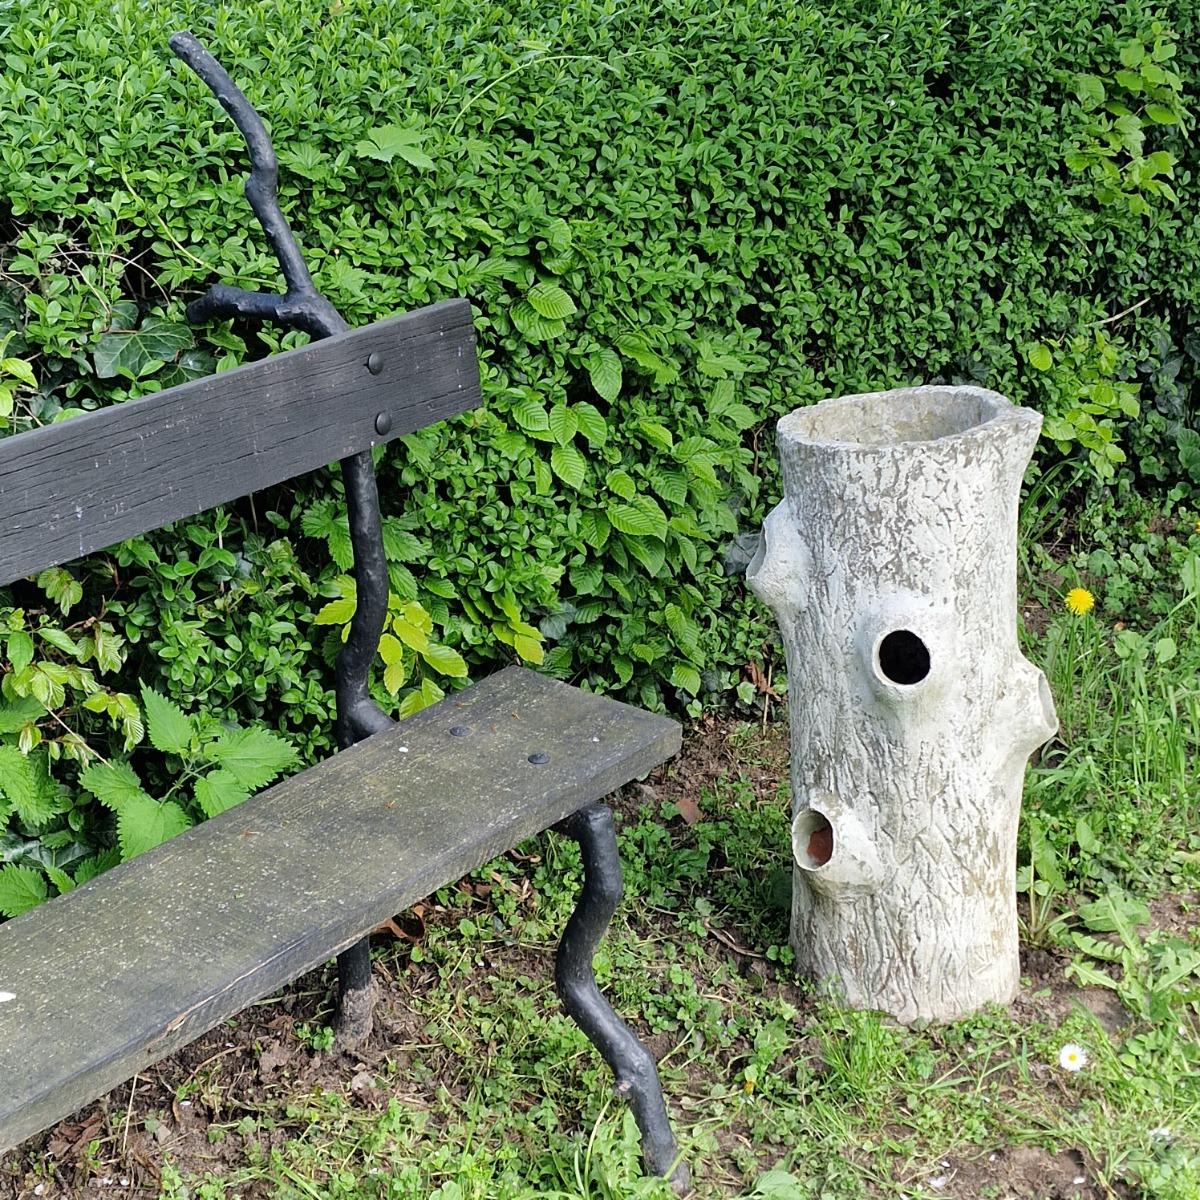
x=937 y=1181
x=5 y=997
x=402 y=749
x=185 y=1104
x=595 y=739
x=124 y=1182
x=37 y=1191
x=1079 y=1179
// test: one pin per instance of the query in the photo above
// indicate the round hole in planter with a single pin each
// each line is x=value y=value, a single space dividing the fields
x=903 y=657
x=812 y=839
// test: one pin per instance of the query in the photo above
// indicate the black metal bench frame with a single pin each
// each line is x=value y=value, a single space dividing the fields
x=45 y=528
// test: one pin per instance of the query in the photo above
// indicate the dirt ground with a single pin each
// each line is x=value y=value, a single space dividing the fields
x=119 y=1144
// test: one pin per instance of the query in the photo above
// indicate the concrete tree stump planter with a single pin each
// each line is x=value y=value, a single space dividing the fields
x=890 y=566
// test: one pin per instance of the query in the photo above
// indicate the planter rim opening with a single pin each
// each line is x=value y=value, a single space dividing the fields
x=904 y=416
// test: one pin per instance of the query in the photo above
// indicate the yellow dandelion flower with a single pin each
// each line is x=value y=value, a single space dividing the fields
x=1198 y=526
x=1079 y=601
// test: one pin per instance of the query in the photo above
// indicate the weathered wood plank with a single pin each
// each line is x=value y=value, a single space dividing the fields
x=69 y=489
x=116 y=975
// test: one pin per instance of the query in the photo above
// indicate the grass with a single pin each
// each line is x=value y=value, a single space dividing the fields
x=485 y=1091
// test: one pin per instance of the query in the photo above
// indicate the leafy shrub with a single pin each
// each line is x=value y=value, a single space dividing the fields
x=223 y=766
x=671 y=233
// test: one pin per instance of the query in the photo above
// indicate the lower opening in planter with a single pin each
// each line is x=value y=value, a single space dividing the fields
x=813 y=839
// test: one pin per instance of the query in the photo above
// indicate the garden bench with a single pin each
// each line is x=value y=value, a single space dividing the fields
x=129 y=967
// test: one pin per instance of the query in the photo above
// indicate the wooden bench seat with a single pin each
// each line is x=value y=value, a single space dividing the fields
x=100 y=982
x=137 y=963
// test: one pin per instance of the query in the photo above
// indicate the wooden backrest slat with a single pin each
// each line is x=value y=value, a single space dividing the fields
x=84 y=484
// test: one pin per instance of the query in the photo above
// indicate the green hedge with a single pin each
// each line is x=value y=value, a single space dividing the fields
x=674 y=226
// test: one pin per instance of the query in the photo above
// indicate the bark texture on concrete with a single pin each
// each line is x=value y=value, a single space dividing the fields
x=890 y=566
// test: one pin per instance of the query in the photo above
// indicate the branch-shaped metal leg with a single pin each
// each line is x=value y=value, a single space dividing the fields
x=356 y=996
x=303 y=307
x=635 y=1069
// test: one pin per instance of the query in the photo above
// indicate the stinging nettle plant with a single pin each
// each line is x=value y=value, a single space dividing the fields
x=219 y=766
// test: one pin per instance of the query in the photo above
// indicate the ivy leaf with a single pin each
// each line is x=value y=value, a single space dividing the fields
x=169 y=730
x=131 y=352
x=253 y=756
x=21 y=888
x=219 y=790
x=569 y=465
x=387 y=142
x=604 y=370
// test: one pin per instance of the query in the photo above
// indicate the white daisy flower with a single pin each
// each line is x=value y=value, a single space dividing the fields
x=1072 y=1057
